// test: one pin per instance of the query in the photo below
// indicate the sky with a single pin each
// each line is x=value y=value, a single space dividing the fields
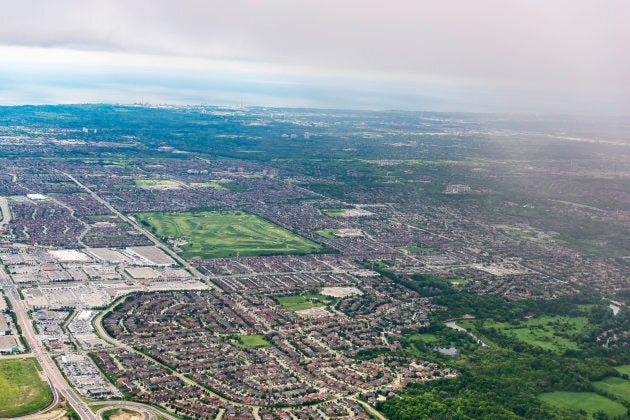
x=528 y=56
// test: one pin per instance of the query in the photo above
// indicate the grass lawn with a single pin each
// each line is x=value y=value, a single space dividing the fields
x=120 y=413
x=328 y=233
x=22 y=389
x=553 y=333
x=217 y=234
x=253 y=340
x=428 y=338
x=587 y=401
x=417 y=249
x=155 y=183
x=458 y=282
x=334 y=212
x=614 y=386
x=623 y=369
x=304 y=301
x=215 y=185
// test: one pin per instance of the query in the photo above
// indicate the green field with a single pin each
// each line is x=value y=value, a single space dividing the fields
x=624 y=369
x=253 y=340
x=334 y=212
x=215 y=185
x=217 y=234
x=587 y=401
x=614 y=386
x=155 y=183
x=553 y=333
x=304 y=301
x=328 y=233
x=119 y=412
x=22 y=389
x=417 y=249
x=458 y=281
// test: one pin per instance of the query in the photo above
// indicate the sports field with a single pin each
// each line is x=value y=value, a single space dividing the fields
x=253 y=340
x=218 y=234
x=587 y=401
x=304 y=301
x=22 y=389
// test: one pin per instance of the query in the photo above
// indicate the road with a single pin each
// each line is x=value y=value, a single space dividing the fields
x=148 y=412
x=453 y=325
x=56 y=380
x=6 y=212
x=138 y=227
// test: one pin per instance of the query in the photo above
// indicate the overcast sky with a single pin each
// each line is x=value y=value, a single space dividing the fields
x=467 y=55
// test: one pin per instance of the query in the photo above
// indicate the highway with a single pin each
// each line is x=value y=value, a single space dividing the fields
x=56 y=380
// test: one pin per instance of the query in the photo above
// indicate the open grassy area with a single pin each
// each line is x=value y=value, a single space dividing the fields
x=417 y=249
x=23 y=389
x=328 y=233
x=614 y=386
x=427 y=338
x=334 y=212
x=553 y=333
x=458 y=281
x=624 y=369
x=120 y=414
x=253 y=340
x=304 y=301
x=215 y=185
x=147 y=183
x=216 y=234
x=587 y=401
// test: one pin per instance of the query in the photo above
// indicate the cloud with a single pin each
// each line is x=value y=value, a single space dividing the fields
x=534 y=52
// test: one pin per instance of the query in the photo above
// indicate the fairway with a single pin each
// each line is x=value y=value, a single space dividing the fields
x=22 y=389
x=614 y=386
x=219 y=234
x=587 y=401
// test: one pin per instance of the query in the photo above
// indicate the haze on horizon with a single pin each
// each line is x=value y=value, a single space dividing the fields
x=567 y=57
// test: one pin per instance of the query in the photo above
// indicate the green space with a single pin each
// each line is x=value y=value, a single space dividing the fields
x=304 y=301
x=23 y=389
x=253 y=340
x=328 y=233
x=116 y=412
x=555 y=333
x=589 y=402
x=235 y=186
x=458 y=282
x=618 y=387
x=155 y=183
x=217 y=234
x=624 y=369
x=334 y=212
x=215 y=185
x=101 y=217
x=417 y=249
